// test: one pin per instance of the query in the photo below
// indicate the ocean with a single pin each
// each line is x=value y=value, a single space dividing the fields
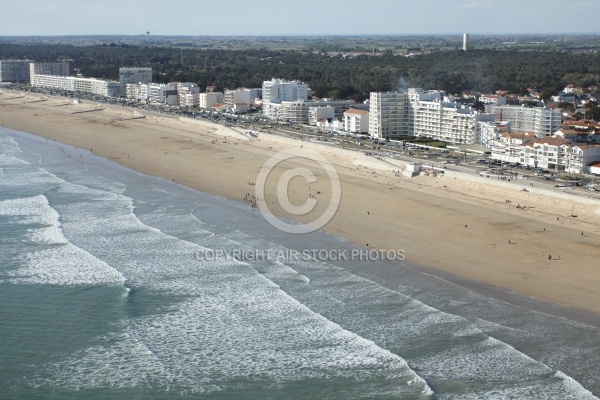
x=114 y=284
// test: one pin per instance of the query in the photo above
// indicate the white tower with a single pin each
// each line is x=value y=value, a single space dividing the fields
x=465 y=41
x=148 y=36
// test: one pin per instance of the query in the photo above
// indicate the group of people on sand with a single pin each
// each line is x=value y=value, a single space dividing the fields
x=250 y=198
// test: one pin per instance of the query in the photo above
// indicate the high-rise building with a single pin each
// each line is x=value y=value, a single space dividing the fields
x=16 y=71
x=465 y=41
x=134 y=75
x=539 y=120
x=388 y=118
x=448 y=122
x=394 y=115
x=277 y=90
x=48 y=68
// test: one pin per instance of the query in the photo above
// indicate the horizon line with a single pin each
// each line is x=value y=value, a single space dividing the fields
x=304 y=35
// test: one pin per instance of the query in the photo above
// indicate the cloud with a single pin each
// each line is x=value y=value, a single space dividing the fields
x=474 y=4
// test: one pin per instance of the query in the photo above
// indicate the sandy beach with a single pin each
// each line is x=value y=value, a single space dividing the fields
x=457 y=224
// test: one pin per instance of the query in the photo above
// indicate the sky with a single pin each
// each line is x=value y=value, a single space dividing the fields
x=296 y=17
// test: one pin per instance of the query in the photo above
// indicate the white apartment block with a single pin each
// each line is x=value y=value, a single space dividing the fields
x=579 y=136
x=74 y=84
x=546 y=152
x=16 y=71
x=448 y=122
x=495 y=99
x=188 y=99
x=144 y=91
x=295 y=112
x=414 y=96
x=388 y=115
x=48 y=68
x=52 y=81
x=392 y=114
x=158 y=93
x=581 y=157
x=316 y=114
x=133 y=91
x=277 y=90
x=241 y=96
x=540 y=121
x=553 y=153
x=208 y=100
x=339 y=106
x=490 y=130
x=356 y=121
x=188 y=94
x=507 y=147
x=134 y=75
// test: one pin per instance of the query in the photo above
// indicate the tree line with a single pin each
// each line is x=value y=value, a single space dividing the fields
x=329 y=75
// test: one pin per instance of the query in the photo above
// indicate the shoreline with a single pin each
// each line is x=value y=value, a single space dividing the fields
x=427 y=217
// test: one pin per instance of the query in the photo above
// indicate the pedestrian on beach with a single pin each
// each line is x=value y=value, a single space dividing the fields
x=549 y=257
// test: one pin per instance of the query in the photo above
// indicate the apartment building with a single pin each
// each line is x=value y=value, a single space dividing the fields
x=295 y=112
x=188 y=94
x=241 y=95
x=388 y=115
x=448 y=122
x=581 y=158
x=134 y=75
x=316 y=114
x=52 y=81
x=490 y=130
x=133 y=91
x=356 y=121
x=415 y=96
x=16 y=71
x=208 y=100
x=552 y=153
x=393 y=114
x=541 y=121
x=507 y=146
x=278 y=90
x=74 y=84
x=162 y=93
x=546 y=152
x=48 y=68
x=579 y=136
x=496 y=99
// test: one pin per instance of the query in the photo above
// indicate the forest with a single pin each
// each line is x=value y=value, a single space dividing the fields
x=332 y=75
